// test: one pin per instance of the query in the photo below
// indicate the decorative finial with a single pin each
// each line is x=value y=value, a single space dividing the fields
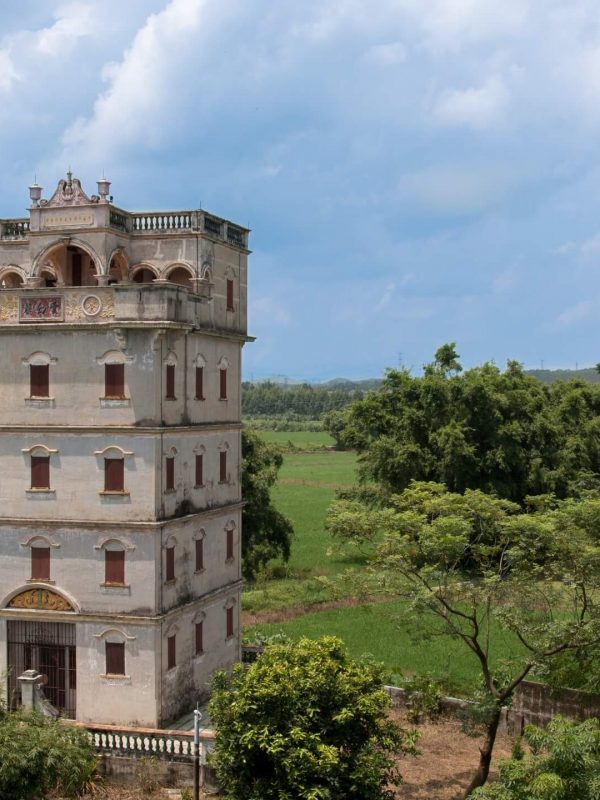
x=35 y=192
x=103 y=188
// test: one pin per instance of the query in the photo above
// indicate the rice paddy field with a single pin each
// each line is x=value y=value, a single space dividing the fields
x=297 y=598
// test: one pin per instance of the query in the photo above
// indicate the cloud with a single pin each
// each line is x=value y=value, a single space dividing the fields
x=387 y=54
x=8 y=73
x=504 y=281
x=386 y=297
x=577 y=313
x=73 y=21
x=268 y=309
x=478 y=108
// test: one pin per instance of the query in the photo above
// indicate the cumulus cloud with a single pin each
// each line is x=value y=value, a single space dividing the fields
x=387 y=54
x=479 y=107
x=73 y=21
x=8 y=73
x=577 y=313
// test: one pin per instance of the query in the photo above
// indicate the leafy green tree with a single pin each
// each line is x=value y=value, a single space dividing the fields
x=38 y=756
x=501 y=432
x=478 y=563
x=305 y=722
x=267 y=533
x=563 y=763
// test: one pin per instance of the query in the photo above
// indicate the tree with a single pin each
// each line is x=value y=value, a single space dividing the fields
x=38 y=755
x=563 y=764
x=305 y=722
x=478 y=563
x=501 y=432
x=267 y=532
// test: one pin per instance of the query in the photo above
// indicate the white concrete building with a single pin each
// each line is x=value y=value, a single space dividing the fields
x=120 y=490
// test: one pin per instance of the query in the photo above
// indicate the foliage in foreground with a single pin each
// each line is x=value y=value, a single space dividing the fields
x=38 y=755
x=500 y=432
x=305 y=722
x=267 y=532
x=474 y=561
x=563 y=764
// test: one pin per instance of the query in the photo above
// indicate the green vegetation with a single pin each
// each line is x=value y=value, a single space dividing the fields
x=305 y=721
x=301 y=440
x=267 y=532
x=39 y=756
x=379 y=630
x=563 y=764
x=501 y=432
x=299 y=401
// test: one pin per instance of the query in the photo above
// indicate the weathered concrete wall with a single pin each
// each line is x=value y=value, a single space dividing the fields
x=536 y=704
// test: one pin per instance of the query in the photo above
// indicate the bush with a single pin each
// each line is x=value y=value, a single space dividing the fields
x=38 y=755
x=305 y=722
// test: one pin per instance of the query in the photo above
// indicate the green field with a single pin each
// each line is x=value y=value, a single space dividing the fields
x=304 y=440
x=377 y=630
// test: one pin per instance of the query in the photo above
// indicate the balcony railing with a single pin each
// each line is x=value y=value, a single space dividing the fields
x=172 y=221
x=14 y=228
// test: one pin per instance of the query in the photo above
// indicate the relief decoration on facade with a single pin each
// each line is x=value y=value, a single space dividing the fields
x=42 y=309
x=83 y=306
x=68 y=193
x=9 y=308
x=40 y=600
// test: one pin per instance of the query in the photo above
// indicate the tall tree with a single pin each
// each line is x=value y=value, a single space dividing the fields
x=477 y=563
x=267 y=533
x=501 y=432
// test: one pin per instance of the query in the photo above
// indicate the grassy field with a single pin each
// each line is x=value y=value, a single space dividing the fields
x=377 y=630
x=304 y=440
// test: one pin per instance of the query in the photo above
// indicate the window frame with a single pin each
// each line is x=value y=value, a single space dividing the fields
x=229 y=623
x=170 y=376
x=114 y=651
x=110 y=477
x=172 y=651
x=114 y=559
x=199 y=637
x=170 y=473
x=40 y=473
x=222 y=466
x=199 y=382
x=36 y=561
x=170 y=564
x=199 y=555
x=36 y=383
x=223 y=383
x=110 y=383
x=229 y=292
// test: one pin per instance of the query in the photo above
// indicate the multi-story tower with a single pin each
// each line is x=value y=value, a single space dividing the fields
x=120 y=495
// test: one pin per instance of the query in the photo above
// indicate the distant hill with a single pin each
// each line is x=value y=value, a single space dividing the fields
x=589 y=375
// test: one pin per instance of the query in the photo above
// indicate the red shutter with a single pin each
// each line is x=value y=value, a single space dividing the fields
x=39 y=380
x=222 y=384
x=170 y=473
x=199 y=383
x=199 y=642
x=230 y=306
x=223 y=466
x=170 y=565
x=170 y=392
x=40 y=472
x=230 y=622
x=115 y=658
x=114 y=566
x=114 y=380
x=199 y=470
x=229 y=549
x=114 y=475
x=199 y=555
x=40 y=563
x=171 y=652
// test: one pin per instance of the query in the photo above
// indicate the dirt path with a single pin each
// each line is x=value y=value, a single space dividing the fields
x=285 y=614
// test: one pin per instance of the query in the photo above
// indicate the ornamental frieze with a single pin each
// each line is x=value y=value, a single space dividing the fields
x=40 y=600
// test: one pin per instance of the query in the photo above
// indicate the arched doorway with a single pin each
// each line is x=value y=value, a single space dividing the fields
x=67 y=264
x=144 y=275
x=11 y=279
x=181 y=276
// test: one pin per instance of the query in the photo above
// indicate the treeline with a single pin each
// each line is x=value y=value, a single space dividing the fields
x=296 y=402
x=502 y=432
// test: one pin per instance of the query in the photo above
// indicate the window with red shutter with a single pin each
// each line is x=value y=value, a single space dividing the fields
x=40 y=472
x=200 y=470
x=223 y=466
x=39 y=380
x=114 y=380
x=115 y=658
x=170 y=389
x=171 y=652
x=223 y=384
x=230 y=622
x=114 y=567
x=199 y=383
x=199 y=636
x=170 y=563
x=230 y=306
x=40 y=563
x=170 y=473
x=199 y=555
x=114 y=475
x=229 y=548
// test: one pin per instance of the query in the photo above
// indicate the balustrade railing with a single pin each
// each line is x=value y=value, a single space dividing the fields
x=175 y=221
x=235 y=236
x=14 y=228
x=168 y=745
x=212 y=226
x=118 y=220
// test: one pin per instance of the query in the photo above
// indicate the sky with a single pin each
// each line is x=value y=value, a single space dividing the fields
x=413 y=172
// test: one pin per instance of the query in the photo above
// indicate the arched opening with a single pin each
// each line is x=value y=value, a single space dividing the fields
x=143 y=275
x=11 y=280
x=117 y=270
x=67 y=264
x=181 y=276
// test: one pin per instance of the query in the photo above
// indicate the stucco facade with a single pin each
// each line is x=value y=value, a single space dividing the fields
x=120 y=488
